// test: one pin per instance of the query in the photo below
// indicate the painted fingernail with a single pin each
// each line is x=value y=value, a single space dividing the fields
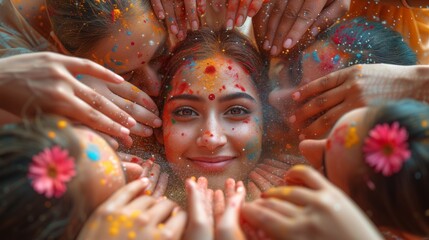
x=292 y=119
x=287 y=43
x=273 y=50
x=131 y=121
x=229 y=24
x=157 y=122
x=314 y=31
x=125 y=131
x=174 y=29
x=266 y=45
x=161 y=15
x=296 y=95
x=239 y=21
x=194 y=25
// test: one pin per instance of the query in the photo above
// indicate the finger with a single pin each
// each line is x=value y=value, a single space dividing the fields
x=254 y=191
x=307 y=176
x=201 y=7
x=181 y=19
x=175 y=225
x=125 y=194
x=128 y=91
x=158 y=9
x=111 y=141
x=294 y=194
x=92 y=118
x=170 y=16
x=159 y=212
x=146 y=166
x=229 y=187
x=266 y=220
x=153 y=178
x=195 y=200
x=281 y=99
x=142 y=203
x=277 y=164
x=231 y=11
x=254 y=7
x=132 y=171
x=273 y=179
x=161 y=186
x=304 y=19
x=125 y=157
x=273 y=23
x=242 y=12
x=282 y=207
x=218 y=205
x=202 y=183
x=329 y=15
x=191 y=13
x=262 y=183
x=273 y=170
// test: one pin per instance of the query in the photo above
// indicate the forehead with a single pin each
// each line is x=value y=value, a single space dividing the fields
x=132 y=43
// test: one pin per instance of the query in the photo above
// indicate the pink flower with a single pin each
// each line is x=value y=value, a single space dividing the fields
x=386 y=148
x=50 y=170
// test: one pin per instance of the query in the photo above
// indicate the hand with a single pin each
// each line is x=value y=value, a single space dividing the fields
x=133 y=101
x=281 y=24
x=308 y=211
x=227 y=211
x=320 y=103
x=200 y=210
x=46 y=82
x=238 y=11
x=179 y=13
x=128 y=214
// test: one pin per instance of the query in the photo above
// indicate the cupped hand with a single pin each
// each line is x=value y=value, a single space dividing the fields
x=281 y=24
x=46 y=82
x=130 y=214
x=309 y=208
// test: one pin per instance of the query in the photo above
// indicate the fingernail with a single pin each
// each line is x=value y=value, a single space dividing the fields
x=131 y=121
x=157 y=122
x=125 y=131
x=296 y=95
x=273 y=50
x=240 y=189
x=161 y=15
x=144 y=180
x=239 y=21
x=287 y=43
x=194 y=25
x=181 y=35
x=193 y=178
x=251 y=12
x=174 y=29
x=314 y=31
x=292 y=119
x=229 y=24
x=175 y=211
x=266 y=45
x=117 y=78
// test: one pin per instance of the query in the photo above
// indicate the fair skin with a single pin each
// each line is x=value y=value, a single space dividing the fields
x=212 y=121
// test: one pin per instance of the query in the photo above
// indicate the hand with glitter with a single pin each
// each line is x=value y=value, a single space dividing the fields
x=132 y=100
x=130 y=214
x=49 y=83
x=281 y=24
x=226 y=209
x=310 y=207
x=178 y=14
x=200 y=210
x=238 y=11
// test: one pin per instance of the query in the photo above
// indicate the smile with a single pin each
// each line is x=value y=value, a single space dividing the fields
x=212 y=164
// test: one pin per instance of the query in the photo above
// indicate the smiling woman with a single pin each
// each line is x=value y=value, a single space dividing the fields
x=212 y=108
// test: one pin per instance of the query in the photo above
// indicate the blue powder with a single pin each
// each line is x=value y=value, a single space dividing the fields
x=336 y=59
x=129 y=33
x=115 y=48
x=358 y=55
x=93 y=153
x=316 y=57
x=79 y=77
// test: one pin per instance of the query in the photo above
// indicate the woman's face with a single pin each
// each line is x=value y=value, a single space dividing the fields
x=341 y=153
x=99 y=171
x=212 y=121
x=134 y=50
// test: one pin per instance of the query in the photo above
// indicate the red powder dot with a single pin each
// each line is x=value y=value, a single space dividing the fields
x=132 y=43
x=233 y=129
x=212 y=97
x=135 y=160
x=240 y=87
x=143 y=62
x=210 y=70
x=229 y=67
x=211 y=135
x=183 y=134
x=139 y=54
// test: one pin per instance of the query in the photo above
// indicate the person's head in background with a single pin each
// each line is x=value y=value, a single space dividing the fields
x=52 y=176
x=347 y=43
x=211 y=103
x=122 y=35
x=379 y=155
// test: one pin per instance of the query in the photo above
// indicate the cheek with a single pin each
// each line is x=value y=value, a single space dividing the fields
x=246 y=136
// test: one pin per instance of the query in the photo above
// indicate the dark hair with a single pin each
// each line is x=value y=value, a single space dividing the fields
x=206 y=43
x=400 y=201
x=81 y=24
x=369 y=42
x=25 y=214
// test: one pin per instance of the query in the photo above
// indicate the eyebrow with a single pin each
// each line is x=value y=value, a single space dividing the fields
x=226 y=98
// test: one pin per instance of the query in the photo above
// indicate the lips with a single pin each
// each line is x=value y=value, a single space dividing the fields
x=212 y=164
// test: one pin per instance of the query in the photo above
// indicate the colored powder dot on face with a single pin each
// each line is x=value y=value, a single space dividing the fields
x=240 y=87
x=51 y=134
x=210 y=70
x=79 y=77
x=132 y=43
x=129 y=33
x=173 y=121
x=212 y=97
x=183 y=134
x=132 y=235
x=358 y=55
x=229 y=67
x=151 y=43
x=336 y=59
x=115 y=48
x=92 y=152
x=116 y=13
x=316 y=56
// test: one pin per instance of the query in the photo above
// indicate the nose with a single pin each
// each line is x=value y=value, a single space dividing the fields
x=313 y=151
x=213 y=137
